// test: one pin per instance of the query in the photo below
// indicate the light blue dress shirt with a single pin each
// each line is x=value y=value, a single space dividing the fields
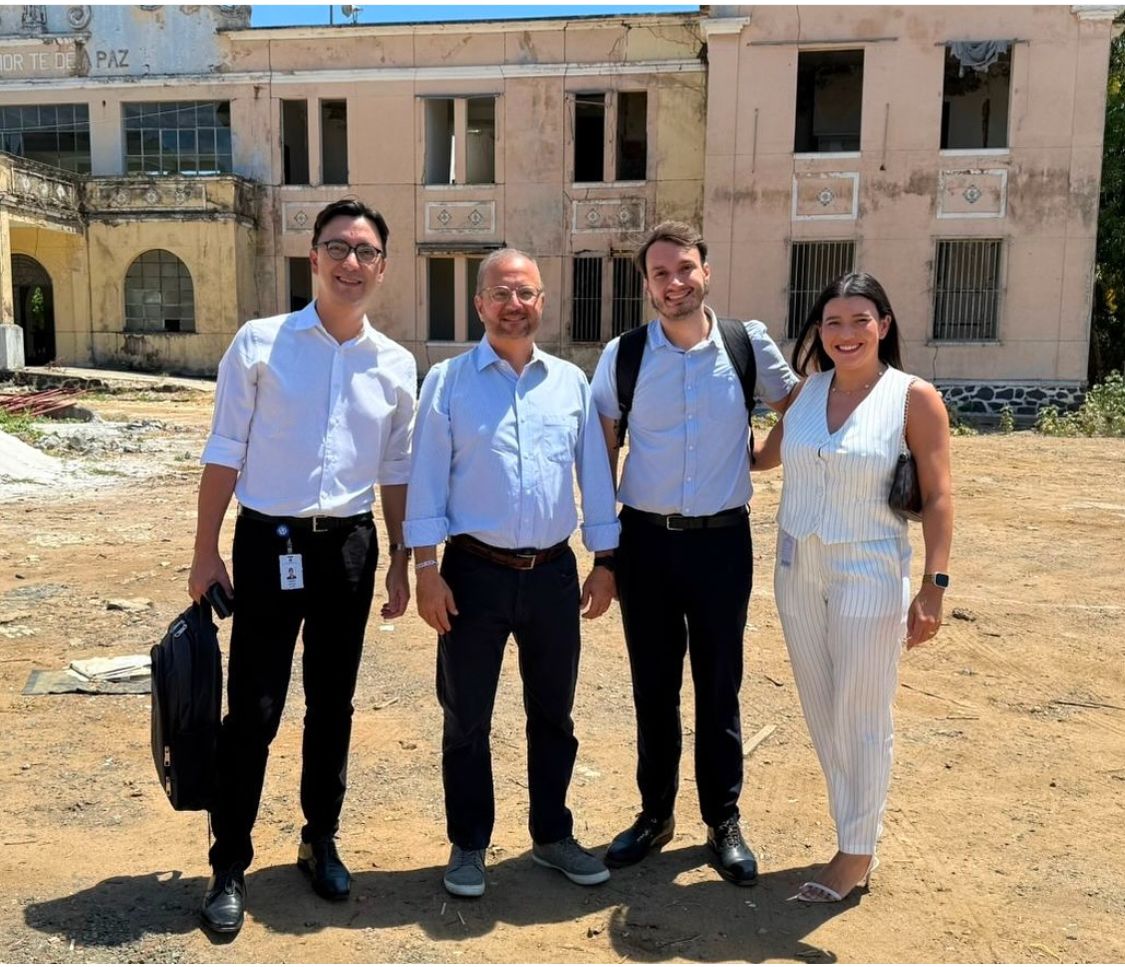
x=688 y=433
x=495 y=455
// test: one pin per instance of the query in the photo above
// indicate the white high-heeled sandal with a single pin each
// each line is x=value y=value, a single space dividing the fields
x=812 y=892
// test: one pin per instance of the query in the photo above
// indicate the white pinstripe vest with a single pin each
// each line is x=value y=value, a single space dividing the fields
x=836 y=484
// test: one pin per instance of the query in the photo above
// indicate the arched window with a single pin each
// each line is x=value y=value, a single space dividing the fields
x=159 y=296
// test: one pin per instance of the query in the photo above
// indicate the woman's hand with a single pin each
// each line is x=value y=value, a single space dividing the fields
x=924 y=617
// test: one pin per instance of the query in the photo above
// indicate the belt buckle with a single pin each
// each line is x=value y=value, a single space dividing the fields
x=529 y=558
x=668 y=522
x=316 y=524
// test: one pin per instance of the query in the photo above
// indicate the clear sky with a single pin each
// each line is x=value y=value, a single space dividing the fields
x=280 y=15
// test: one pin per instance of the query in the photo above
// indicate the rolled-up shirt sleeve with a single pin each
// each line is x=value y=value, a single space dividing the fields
x=775 y=378
x=395 y=467
x=427 y=493
x=236 y=392
x=600 y=527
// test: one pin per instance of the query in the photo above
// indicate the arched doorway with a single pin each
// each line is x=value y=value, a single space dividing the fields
x=35 y=309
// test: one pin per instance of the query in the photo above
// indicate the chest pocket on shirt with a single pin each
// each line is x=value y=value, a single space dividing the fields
x=560 y=436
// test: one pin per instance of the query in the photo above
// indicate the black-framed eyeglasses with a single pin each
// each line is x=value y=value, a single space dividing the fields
x=500 y=294
x=338 y=250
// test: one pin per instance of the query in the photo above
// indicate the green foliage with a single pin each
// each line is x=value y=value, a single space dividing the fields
x=1007 y=420
x=957 y=424
x=1101 y=414
x=18 y=425
x=1107 y=334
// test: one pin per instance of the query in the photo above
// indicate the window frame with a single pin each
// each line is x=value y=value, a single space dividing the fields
x=459 y=139
x=610 y=137
x=997 y=294
x=134 y=323
x=609 y=301
x=159 y=137
x=794 y=323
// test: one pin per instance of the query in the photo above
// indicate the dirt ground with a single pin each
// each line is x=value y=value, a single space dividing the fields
x=1005 y=834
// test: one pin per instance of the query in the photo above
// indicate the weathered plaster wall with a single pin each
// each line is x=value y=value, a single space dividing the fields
x=63 y=256
x=1051 y=169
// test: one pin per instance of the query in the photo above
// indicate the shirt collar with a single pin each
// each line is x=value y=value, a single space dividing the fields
x=485 y=355
x=308 y=318
x=658 y=340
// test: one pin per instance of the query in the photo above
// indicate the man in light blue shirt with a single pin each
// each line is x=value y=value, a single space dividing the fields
x=500 y=433
x=686 y=559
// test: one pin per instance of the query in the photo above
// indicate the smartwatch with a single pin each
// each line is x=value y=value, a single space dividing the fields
x=937 y=579
x=401 y=547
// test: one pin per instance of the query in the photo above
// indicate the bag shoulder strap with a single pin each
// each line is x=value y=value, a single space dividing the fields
x=630 y=349
x=904 y=449
x=740 y=350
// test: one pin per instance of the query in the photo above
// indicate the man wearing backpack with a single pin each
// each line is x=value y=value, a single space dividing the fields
x=312 y=409
x=684 y=385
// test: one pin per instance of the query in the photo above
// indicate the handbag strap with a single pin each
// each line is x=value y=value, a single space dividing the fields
x=904 y=450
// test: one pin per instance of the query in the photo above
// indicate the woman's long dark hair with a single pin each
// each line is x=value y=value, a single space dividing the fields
x=809 y=349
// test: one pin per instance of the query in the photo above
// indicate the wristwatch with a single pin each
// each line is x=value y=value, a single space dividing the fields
x=608 y=561
x=937 y=579
x=401 y=547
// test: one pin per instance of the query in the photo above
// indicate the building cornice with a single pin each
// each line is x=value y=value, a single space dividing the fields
x=485 y=72
x=461 y=27
x=1097 y=11
x=722 y=26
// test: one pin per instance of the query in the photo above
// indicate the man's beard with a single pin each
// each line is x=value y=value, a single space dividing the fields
x=685 y=307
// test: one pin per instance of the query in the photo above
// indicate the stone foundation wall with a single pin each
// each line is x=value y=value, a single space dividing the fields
x=986 y=401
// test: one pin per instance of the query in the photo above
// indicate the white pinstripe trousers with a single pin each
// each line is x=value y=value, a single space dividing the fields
x=843 y=610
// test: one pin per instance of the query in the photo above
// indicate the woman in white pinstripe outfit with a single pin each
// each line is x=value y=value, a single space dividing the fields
x=842 y=576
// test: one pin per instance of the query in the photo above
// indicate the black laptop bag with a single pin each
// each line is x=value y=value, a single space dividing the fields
x=187 y=701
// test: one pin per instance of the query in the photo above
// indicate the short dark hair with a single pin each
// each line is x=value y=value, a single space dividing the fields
x=678 y=233
x=808 y=349
x=351 y=208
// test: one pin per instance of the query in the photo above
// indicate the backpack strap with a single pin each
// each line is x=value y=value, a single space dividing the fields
x=740 y=351
x=630 y=349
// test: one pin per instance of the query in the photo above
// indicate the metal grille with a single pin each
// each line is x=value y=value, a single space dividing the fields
x=812 y=265
x=586 y=319
x=177 y=137
x=159 y=296
x=628 y=295
x=967 y=290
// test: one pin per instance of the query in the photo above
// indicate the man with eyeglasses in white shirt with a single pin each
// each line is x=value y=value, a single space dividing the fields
x=312 y=409
x=502 y=430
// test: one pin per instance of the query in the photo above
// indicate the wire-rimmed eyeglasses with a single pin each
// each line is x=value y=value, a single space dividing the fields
x=500 y=294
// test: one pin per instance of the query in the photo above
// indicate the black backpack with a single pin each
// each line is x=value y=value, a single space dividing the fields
x=631 y=347
x=187 y=701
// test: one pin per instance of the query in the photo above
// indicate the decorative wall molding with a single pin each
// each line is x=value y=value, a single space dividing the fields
x=460 y=217
x=608 y=215
x=825 y=195
x=973 y=193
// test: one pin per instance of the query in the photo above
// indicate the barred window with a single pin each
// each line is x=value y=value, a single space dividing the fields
x=159 y=296
x=586 y=324
x=628 y=295
x=52 y=134
x=812 y=265
x=177 y=137
x=967 y=290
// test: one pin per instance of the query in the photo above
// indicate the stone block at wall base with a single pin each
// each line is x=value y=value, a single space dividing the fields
x=11 y=347
x=983 y=403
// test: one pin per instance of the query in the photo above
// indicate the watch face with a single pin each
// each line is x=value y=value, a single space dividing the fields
x=941 y=580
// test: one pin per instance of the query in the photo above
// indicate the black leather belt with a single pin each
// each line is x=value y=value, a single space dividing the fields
x=319 y=524
x=677 y=522
x=520 y=558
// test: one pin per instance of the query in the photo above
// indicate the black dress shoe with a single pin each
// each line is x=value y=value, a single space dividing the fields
x=224 y=902
x=633 y=845
x=736 y=861
x=319 y=859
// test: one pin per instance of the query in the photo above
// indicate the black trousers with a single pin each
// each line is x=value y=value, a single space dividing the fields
x=540 y=609
x=686 y=592
x=339 y=579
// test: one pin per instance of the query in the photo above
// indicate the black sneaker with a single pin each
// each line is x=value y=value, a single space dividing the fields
x=645 y=835
x=224 y=901
x=323 y=866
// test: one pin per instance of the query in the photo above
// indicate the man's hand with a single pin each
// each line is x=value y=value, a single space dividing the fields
x=435 y=601
x=398 y=587
x=207 y=569
x=598 y=591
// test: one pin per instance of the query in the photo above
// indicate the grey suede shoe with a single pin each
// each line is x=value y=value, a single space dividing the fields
x=465 y=874
x=575 y=863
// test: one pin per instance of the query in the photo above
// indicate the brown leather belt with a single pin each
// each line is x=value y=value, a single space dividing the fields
x=519 y=558
x=677 y=522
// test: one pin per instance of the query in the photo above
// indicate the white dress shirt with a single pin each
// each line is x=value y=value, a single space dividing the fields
x=495 y=455
x=688 y=432
x=312 y=424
